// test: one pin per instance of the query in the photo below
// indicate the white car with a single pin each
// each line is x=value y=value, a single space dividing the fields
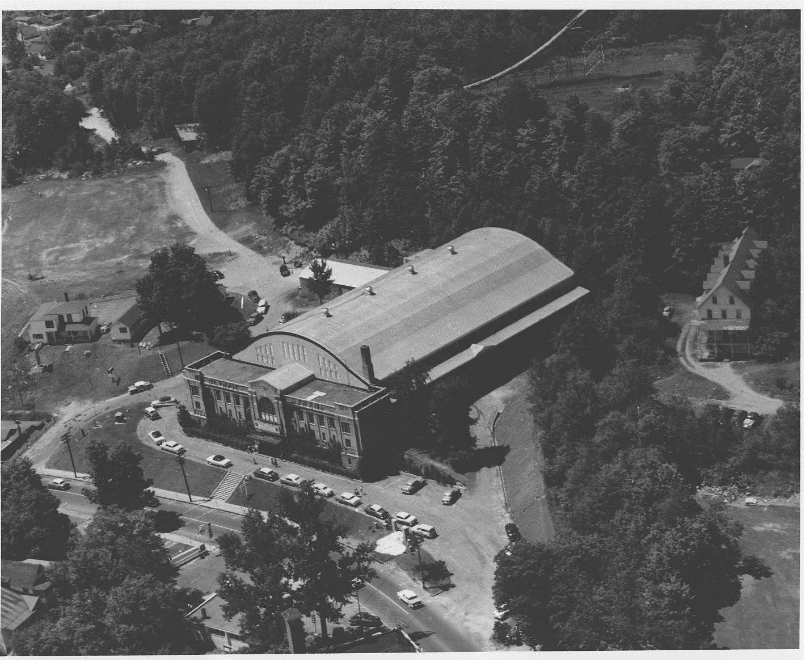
x=140 y=386
x=405 y=518
x=427 y=531
x=291 y=480
x=219 y=461
x=59 y=484
x=349 y=498
x=323 y=490
x=410 y=599
x=164 y=401
x=152 y=413
x=173 y=447
x=157 y=437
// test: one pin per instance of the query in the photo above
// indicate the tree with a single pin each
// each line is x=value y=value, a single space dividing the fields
x=434 y=572
x=449 y=414
x=321 y=282
x=32 y=525
x=118 y=477
x=13 y=48
x=178 y=289
x=231 y=337
x=409 y=415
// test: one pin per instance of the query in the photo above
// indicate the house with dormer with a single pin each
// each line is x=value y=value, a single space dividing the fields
x=63 y=323
x=723 y=310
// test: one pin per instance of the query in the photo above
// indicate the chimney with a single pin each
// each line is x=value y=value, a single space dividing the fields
x=294 y=629
x=203 y=612
x=451 y=250
x=411 y=270
x=66 y=297
x=368 y=367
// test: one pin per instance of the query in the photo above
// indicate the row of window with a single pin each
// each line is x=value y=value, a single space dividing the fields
x=738 y=314
x=731 y=301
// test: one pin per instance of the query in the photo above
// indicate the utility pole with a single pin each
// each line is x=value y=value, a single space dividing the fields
x=184 y=474
x=356 y=584
x=181 y=359
x=66 y=440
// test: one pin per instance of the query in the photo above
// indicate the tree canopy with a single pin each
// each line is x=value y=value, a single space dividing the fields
x=118 y=477
x=321 y=281
x=32 y=525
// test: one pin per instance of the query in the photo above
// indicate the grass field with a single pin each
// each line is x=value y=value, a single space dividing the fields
x=767 y=614
x=87 y=238
x=781 y=379
x=648 y=66
x=157 y=465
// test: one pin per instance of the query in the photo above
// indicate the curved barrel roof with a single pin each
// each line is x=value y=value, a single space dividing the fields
x=455 y=290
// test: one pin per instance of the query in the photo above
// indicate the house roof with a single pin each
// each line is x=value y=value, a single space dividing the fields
x=211 y=615
x=18 y=575
x=741 y=257
x=205 y=19
x=233 y=371
x=28 y=31
x=188 y=132
x=36 y=48
x=15 y=608
x=130 y=315
x=345 y=273
x=47 y=309
x=127 y=49
x=746 y=163
x=286 y=377
x=410 y=316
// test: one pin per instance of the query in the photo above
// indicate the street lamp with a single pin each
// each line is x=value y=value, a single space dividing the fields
x=180 y=460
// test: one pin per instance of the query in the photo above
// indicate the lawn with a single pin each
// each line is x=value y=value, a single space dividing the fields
x=157 y=465
x=779 y=379
x=767 y=614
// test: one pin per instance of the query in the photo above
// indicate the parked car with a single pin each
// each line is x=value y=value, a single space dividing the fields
x=157 y=437
x=349 y=498
x=365 y=620
x=323 y=490
x=377 y=511
x=410 y=599
x=152 y=413
x=218 y=274
x=405 y=518
x=266 y=473
x=219 y=461
x=667 y=311
x=59 y=484
x=512 y=532
x=263 y=307
x=427 y=531
x=413 y=485
x=255 y=318
x=253 y=296
x=105 y=328
x=173 y=447
x=751 y=420
x=291 y=480
x=286 y=316
x=450 y=496
x=140 y=386
x=163 y=401
x=751 y=501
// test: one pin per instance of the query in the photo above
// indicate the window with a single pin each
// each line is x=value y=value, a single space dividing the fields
x=731 y=300
x=714 y=300
x=266 y=409
x=197 y=404
x=194 y=389
x=236 y=399
x=347 y=442
x=321 y=421
x=331 y=423
x=346 y=427
x=39 y=336
x=310 y=418
x=709 y=313
x=738 y=313
x=217 y=395
x=49 y=324
x=723 y=314
x=348 y=461
x=228 y=398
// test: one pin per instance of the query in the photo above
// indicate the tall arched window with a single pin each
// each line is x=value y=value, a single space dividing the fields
x=266 y=409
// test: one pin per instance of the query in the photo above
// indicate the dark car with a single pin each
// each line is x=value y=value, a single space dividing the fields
x=512 y=532
x=218 y=274
x=265 y=473
x=255 y=318
x=413 y=485
x=376 y=511
x=253 y=296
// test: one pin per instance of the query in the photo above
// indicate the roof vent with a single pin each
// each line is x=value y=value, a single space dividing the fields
x=370 y=290
x=326 y=312
x=451 y=250
x=411 y=270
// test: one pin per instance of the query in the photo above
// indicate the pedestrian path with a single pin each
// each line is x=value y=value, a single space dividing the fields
x=227 y=486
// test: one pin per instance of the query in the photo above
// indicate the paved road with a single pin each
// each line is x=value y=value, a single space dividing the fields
x=742 y=395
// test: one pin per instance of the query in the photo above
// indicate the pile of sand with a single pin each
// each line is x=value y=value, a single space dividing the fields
x=393 y=544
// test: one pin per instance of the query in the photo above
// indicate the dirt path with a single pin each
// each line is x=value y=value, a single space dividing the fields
x=243 y=268
x=722 y=373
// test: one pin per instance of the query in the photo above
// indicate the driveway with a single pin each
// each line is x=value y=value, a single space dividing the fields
x=243 y=268
x=741 y=395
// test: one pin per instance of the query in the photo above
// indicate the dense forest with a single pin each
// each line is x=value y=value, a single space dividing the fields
x=352 y=131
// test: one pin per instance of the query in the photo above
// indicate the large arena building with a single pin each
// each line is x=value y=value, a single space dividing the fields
x=321 y=376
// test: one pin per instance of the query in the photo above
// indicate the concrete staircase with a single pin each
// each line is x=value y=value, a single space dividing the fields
x=227 y=486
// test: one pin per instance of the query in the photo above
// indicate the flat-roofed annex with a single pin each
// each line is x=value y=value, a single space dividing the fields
x=453 y=290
